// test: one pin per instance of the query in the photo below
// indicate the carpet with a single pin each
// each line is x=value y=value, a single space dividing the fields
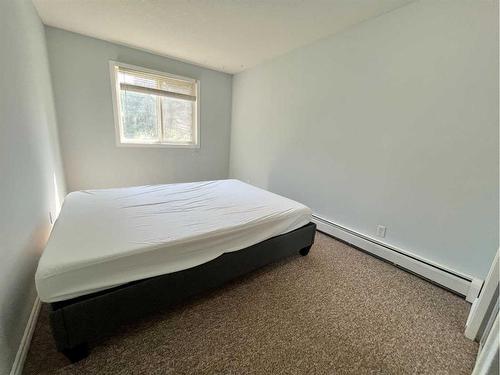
x=336 y=311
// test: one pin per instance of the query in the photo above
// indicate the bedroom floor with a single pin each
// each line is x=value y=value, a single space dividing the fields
x=337 y=310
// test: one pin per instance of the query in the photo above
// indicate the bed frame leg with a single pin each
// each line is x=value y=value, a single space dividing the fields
x=77 y=353
x=305 y=251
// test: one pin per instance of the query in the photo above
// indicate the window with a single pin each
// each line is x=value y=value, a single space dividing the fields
x=153 y=108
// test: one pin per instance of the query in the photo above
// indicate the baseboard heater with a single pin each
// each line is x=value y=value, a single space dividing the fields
x=464 y=285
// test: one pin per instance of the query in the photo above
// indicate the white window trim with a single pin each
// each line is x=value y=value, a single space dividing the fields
x=116 y=111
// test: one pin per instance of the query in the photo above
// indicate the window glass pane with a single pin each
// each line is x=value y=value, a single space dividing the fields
x=178 y=120
x=151 y=116
x=139 y=116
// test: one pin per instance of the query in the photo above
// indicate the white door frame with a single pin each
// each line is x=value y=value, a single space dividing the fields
x=487 y=359
x=479 y=309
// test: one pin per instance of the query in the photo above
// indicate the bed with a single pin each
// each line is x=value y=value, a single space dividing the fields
x=115 y=255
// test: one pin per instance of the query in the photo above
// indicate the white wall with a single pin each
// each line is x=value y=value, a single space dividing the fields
x=393 y=122
x=80 y=75
x=32 y=182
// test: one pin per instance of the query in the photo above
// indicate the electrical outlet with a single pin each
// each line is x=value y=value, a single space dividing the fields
x=381 y=231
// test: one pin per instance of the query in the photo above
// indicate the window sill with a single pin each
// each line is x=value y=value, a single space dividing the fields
x=158 y=145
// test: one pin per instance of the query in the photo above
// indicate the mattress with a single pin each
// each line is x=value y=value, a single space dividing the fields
x=109 y=237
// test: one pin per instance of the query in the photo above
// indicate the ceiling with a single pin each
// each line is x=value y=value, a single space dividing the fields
x=225 y=35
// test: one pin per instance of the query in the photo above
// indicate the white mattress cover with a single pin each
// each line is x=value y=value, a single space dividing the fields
x=104 y=238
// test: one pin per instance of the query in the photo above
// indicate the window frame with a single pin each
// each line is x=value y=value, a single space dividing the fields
x=115 y=90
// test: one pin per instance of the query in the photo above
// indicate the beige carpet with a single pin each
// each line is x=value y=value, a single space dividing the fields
x=336 y=311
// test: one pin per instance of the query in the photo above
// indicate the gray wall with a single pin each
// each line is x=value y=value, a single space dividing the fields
x=32 y=181
x=80 y=76
x=393 y=122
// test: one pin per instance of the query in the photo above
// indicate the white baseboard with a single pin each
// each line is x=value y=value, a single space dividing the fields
x=22 y=352
x=465 y=285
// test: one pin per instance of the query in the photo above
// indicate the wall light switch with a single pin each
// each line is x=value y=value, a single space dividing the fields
x=381 y=231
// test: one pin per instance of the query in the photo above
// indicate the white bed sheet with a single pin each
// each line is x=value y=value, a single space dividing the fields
x=104 y=238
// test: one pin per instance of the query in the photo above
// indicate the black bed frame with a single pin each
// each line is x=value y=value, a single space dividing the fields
x=78 y=321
